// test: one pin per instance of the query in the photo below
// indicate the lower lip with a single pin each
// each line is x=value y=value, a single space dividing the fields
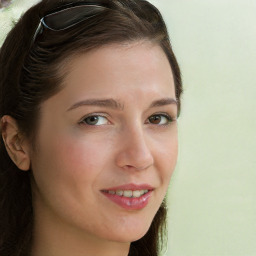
x=133 y=203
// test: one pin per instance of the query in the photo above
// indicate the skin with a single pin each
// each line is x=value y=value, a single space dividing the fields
x=74 y=161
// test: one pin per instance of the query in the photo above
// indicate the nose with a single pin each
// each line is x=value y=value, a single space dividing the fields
x=133 y=151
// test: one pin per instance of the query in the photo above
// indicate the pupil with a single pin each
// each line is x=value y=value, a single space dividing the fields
x=92 y=120
x=155 y=119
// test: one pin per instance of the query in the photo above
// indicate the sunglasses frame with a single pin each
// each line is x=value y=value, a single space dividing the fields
x=43 y=21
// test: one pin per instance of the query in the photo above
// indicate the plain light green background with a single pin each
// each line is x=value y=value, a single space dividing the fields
x=212 y=195
x=212 y=198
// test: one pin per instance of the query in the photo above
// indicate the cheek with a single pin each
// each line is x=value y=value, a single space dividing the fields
x=66 y=173
x=63 y=165
x=166 y=158
x=72 y=157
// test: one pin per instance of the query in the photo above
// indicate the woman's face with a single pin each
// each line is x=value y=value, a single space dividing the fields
x=110 y=133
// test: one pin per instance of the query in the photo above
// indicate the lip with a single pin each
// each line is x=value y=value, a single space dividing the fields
x=131 y=186
x=132 y=203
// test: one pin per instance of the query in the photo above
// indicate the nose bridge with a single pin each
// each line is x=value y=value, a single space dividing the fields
x=135 y=151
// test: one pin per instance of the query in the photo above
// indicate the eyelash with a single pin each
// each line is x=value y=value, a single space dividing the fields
x=82 y=122
x=165 y=115
x=97 y=115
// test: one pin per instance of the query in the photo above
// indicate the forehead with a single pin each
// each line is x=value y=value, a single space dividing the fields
x=120 y=63
x=135 y=73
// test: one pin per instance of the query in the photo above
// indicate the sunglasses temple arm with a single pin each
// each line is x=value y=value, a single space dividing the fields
x=39 y=30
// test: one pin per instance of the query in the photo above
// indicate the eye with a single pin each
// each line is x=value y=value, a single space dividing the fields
x=160 y=119
x=94 y=120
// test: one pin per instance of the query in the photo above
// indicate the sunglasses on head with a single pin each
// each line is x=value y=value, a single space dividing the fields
x=68 y=17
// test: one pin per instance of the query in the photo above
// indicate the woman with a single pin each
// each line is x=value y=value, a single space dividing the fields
x=90 y=93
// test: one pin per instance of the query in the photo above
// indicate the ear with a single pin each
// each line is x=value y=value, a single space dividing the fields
x=16 y=145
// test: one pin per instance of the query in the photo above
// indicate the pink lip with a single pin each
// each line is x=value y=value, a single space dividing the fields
x=130 y=203
x=131 y=186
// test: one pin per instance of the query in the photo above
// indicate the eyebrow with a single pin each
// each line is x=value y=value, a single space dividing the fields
x=163 y=102
x=111 y=103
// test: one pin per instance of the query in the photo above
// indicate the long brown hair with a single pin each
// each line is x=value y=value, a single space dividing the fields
x=29 y=74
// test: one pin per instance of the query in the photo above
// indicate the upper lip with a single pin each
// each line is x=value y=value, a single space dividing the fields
x=130 y=186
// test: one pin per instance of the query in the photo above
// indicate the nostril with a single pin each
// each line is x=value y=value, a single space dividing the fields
x=131 y=161
x=139 y=167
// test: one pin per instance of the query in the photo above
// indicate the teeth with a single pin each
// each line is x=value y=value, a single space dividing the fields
x=119 y=192
x=136 y=193
x=128 y=193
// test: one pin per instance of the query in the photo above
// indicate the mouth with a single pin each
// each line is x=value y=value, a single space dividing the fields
x=127 y=193
x=130 y=196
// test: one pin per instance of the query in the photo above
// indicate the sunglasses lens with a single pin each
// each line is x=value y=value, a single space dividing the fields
x=71 y=16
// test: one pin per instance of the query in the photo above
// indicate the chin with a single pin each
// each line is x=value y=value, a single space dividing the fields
x=128 y=238
x=130 y=234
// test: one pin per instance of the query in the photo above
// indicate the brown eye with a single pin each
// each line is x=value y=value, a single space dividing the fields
x=160 y=119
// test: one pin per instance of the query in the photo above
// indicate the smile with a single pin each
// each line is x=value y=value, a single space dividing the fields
x=129 y=197
x=128 y=193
